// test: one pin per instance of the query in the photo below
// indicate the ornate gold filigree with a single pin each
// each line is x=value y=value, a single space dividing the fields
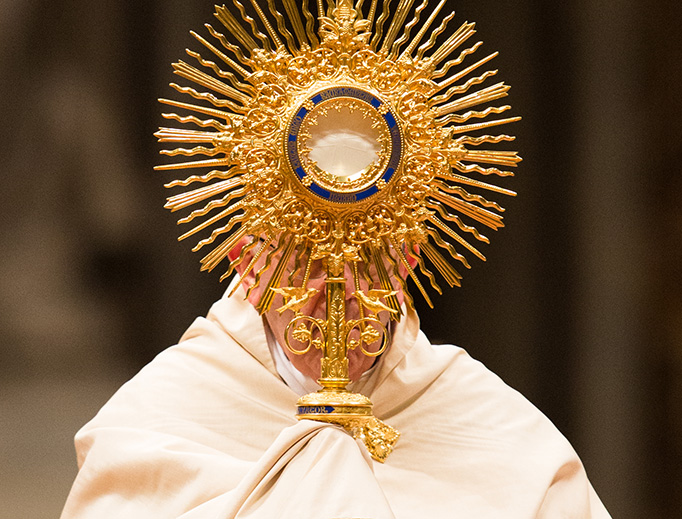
x=418 y=202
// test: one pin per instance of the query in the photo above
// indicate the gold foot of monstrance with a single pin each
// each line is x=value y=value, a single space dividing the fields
x=341 y=140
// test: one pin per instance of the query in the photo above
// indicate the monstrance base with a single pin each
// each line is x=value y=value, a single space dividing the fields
x=353 y=412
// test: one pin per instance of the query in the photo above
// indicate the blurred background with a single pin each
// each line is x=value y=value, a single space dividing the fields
x=579 y=305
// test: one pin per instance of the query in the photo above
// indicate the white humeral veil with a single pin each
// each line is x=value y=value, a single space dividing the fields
x=207 y=430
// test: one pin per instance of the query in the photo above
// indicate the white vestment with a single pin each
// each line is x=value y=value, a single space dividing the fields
x=207 y=430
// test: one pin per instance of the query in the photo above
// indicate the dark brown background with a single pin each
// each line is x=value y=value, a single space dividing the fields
x=578 y=306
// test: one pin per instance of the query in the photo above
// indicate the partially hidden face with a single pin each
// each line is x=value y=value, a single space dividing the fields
x=309 y=363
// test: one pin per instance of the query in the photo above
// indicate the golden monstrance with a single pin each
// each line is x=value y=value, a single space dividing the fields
x=281 y=93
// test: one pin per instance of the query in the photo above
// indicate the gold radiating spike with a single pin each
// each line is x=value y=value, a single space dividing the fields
x=229 y=61
x=204 y=123
x=240 y=259
x=476 y=183
x=209 y=163
x=462 y=89
x=424 y=269
x=269 y=294
x=415 y=41
x=447 y=230
x=460 y=191
x=225 y=17
x=455 y=40
x=282 y=28
x=482 y=96
x=402 y=10
x=502 y=158
x=215 y=204
x=491 y=139
x=438 y=240
x=266 y=266
x=189 y=72
x=252 y=23
x=379 y=30
x=308 y=267
x=320 y=9
x=408 y=29
x=372 y=11
x=451 y=276
x=385 y=282
x=487 y=218
x=475 y=168
x=480 y=126
x=213 y=258
x=242 y=87
x=189 y=152
x=296 y=22
x=457 y=221
x=302 y=252
x=309 y=24
x=212 y=175
x=365 y=255
x=235 y=49
x=205 y=96
x=252 y=263
x=216 y=218
x=201 y=109
x=474 y=114
x=185 y=136
x=232 y=209
x=409 y=300
x=410 y=270
x=464 y=73
x=266 y=22
x=177 y=202
x=220 y=230
x=455 y=62
x=434 y=36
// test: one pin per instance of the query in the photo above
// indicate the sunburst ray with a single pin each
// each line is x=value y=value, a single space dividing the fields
x=461 y=35
x=206 y=96
x=451 y=276
x=183 y=200
x=264 y=245
x=269 y=294
x=438 y=240
x=203 y=123
x=243 y=254
x=201 y=109
x=225 y=17
x=231 y=77
x=238 y=219
x=456 y=62
x=401 y=13
x=226 y=59
x=424 y=269
x=423 y=49
x=213 y=258
x=408 y=29
x=234 y=49
x=297 y=23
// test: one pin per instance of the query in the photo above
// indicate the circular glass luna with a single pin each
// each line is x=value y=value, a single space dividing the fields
x=344 y=144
